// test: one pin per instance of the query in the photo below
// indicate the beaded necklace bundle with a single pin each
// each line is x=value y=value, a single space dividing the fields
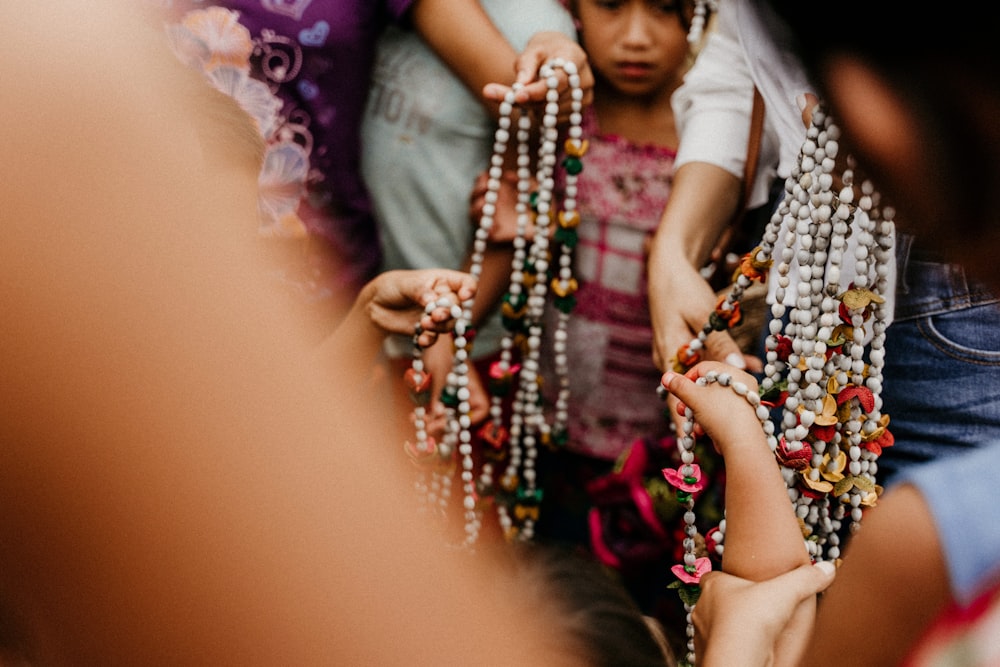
x=513 y=439
x=831 y=429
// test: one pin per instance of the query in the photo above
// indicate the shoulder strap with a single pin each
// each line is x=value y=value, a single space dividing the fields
x=735 y=232
x=753 y=152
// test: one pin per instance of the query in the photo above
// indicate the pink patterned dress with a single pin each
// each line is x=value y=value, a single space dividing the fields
x=622 y=191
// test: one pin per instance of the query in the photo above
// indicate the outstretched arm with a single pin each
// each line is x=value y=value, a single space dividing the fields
x=703 y=198
x=763 y=537
x=394 y=302
x=461 y=33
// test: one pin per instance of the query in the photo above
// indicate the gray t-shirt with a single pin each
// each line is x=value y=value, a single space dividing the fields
x=425 y=138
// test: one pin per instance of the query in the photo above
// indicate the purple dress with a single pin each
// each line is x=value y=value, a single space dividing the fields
x=301 y=68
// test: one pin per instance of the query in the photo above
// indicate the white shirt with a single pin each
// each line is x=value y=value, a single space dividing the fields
x=712 y=107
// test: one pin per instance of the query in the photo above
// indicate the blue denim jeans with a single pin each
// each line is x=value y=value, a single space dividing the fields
x=941 y=384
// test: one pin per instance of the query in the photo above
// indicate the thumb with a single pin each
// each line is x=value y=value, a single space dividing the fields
x=807 y=104
x=807 y=580
x=720 y=346
x=527 y=65
x=677 y=384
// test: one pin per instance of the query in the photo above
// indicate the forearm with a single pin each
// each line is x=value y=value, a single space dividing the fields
x=352 y=347
x=763 y=540
x=464 y=37
x=703 y=199
x=494 y=280
x=701 y=203
x=763 y=537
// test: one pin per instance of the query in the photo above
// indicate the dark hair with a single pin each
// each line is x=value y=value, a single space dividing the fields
x=684 y=9
x=602 y=620
x=941 y=62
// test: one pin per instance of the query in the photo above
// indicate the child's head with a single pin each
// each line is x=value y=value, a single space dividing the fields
x=637 y=47
x=918 y=108
x=595 y=616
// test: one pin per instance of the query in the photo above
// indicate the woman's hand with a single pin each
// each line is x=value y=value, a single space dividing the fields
x=543 y=47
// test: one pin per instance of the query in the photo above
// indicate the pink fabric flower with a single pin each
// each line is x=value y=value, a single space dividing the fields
x=691 y=483
x=692 y=575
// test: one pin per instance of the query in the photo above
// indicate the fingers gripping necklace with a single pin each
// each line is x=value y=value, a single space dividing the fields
x=816 y=377
x=534 y=283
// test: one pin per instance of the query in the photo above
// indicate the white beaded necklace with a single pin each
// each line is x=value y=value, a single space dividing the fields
x=702 y=10
x=433 y=459
x=518 y=498
x=832 y=428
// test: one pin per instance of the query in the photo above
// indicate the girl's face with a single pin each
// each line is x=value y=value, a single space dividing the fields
x=636 y=46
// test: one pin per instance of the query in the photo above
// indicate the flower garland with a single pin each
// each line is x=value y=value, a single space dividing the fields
x=816 y=376
x=518 y=497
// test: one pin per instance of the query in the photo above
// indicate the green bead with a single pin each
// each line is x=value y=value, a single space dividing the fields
x=449 y=397
x=573 y=165
x=565 y=304
x=568 y=237
x=717 y=323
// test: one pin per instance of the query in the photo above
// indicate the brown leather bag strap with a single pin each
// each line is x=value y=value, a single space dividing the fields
x=735 y=233
x=753 y=153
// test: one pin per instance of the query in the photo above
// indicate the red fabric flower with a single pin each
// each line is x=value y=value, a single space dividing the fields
x=783 y=348
x=823 y=432
x=711 y=540
x=776 y=402
x=753 y=268
x=863 y=394
x=875 y=446
x=727 y=318
x=797 y=459
x=685 y=358
x=495 y=435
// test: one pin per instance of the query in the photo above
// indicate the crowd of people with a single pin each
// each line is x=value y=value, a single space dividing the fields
x=216 y=279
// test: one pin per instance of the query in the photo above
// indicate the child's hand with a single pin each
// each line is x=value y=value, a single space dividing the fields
x=742 y=622
x=394 y=301
x=437 y=360
x=720 y=412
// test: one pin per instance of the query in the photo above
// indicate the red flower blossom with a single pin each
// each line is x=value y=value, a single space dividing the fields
x=495 y=435
x=823 y=432
x=753 y=268
x=875 y=446
x=723 y=318
x=775 y=402
x=685 y=358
